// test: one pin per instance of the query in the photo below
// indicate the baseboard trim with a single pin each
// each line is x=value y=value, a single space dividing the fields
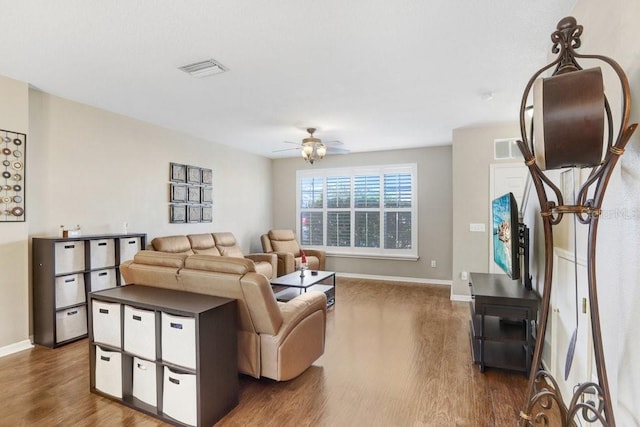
x=15 y=347
x=396 y=278
x=461 y=298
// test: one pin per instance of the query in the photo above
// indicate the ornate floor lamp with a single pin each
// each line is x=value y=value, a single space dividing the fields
x=572 y=126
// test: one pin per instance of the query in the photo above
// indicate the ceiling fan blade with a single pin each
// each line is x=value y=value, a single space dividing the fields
x=289 y=142
x=285 y=149
x=337 y=150
x=334 y=142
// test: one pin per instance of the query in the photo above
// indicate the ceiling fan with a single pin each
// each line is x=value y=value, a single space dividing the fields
x=313 y=149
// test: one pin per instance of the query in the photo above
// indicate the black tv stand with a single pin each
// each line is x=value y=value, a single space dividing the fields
x=503 y=314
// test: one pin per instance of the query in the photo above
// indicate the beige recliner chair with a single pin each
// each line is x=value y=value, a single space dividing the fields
x=275 y=340
x=284 y=244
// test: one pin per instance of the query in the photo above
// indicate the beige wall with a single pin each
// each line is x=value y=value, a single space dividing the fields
x=14 y=304
x=98 y=169
x=472 y=157
x=434 y=209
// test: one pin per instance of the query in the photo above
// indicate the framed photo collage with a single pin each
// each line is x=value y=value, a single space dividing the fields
x=190 y=194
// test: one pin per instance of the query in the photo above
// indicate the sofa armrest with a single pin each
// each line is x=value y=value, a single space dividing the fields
x=299 y=308
x=286 y=263
x=321 y=255
x=270 y=258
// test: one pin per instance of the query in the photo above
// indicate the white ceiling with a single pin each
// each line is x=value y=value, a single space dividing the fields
x=373 y=74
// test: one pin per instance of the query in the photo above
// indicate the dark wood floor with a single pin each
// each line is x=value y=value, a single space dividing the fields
x=396 y=355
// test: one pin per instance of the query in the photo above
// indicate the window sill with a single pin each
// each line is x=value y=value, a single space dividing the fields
x=374 y=256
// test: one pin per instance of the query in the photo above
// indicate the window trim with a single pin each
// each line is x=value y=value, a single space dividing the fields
x=359 y=252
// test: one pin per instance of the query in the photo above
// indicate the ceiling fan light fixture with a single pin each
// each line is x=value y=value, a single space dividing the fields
x=321 y=149
x=307 y=149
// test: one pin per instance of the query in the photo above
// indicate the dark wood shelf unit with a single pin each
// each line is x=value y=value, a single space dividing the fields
x=502 y=325
x=52 y=266
x=216 y=372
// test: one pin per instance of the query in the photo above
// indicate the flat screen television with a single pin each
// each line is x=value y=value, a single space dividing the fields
x=509 y=236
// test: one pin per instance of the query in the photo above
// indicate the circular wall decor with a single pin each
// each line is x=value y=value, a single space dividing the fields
x=13 y=166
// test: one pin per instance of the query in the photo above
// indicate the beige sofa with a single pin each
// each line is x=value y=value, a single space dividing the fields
x=275 y=340
x=222 y=244
x=283 y=243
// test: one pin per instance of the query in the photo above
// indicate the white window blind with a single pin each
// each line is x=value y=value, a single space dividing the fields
x=360 y=211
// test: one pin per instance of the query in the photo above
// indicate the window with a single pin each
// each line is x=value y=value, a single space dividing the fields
x=361 y=211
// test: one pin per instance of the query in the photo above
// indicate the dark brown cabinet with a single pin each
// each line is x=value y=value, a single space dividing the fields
x=503 y=316
x=64 y=271
x=167 y=353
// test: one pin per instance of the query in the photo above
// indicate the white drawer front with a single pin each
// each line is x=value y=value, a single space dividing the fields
x=128 y=248
x=179 y=340
x=71 y=323
x=109 y=372
x=106 y=322
x=103 y=279
x=103 y=253
x=140 y=332
x=70 y=290
x=179 y=396
x=69 y=257
x=144 y=381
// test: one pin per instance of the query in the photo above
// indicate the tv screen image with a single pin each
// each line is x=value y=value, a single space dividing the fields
x=506 y=245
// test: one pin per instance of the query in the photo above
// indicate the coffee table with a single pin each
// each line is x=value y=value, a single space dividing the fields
x=323 y=281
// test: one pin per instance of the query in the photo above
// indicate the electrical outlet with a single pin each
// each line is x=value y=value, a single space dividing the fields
x=477 y=227
x=434 y=264
x=464 y=275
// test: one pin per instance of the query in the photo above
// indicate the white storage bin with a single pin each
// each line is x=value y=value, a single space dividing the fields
x=71 y=323
x=106 y=323
x=140 y=332
x=103 y=253
x=70 y=290
x=179 y=397
x=128 y=248
x=179 y=340
x=103 y=279
x=144 y=381
x=109 y=372
x=69 y=257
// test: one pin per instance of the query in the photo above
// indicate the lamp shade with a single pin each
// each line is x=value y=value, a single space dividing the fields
x=568 y=119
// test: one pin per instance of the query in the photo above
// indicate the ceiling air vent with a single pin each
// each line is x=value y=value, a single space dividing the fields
x=204 y=68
